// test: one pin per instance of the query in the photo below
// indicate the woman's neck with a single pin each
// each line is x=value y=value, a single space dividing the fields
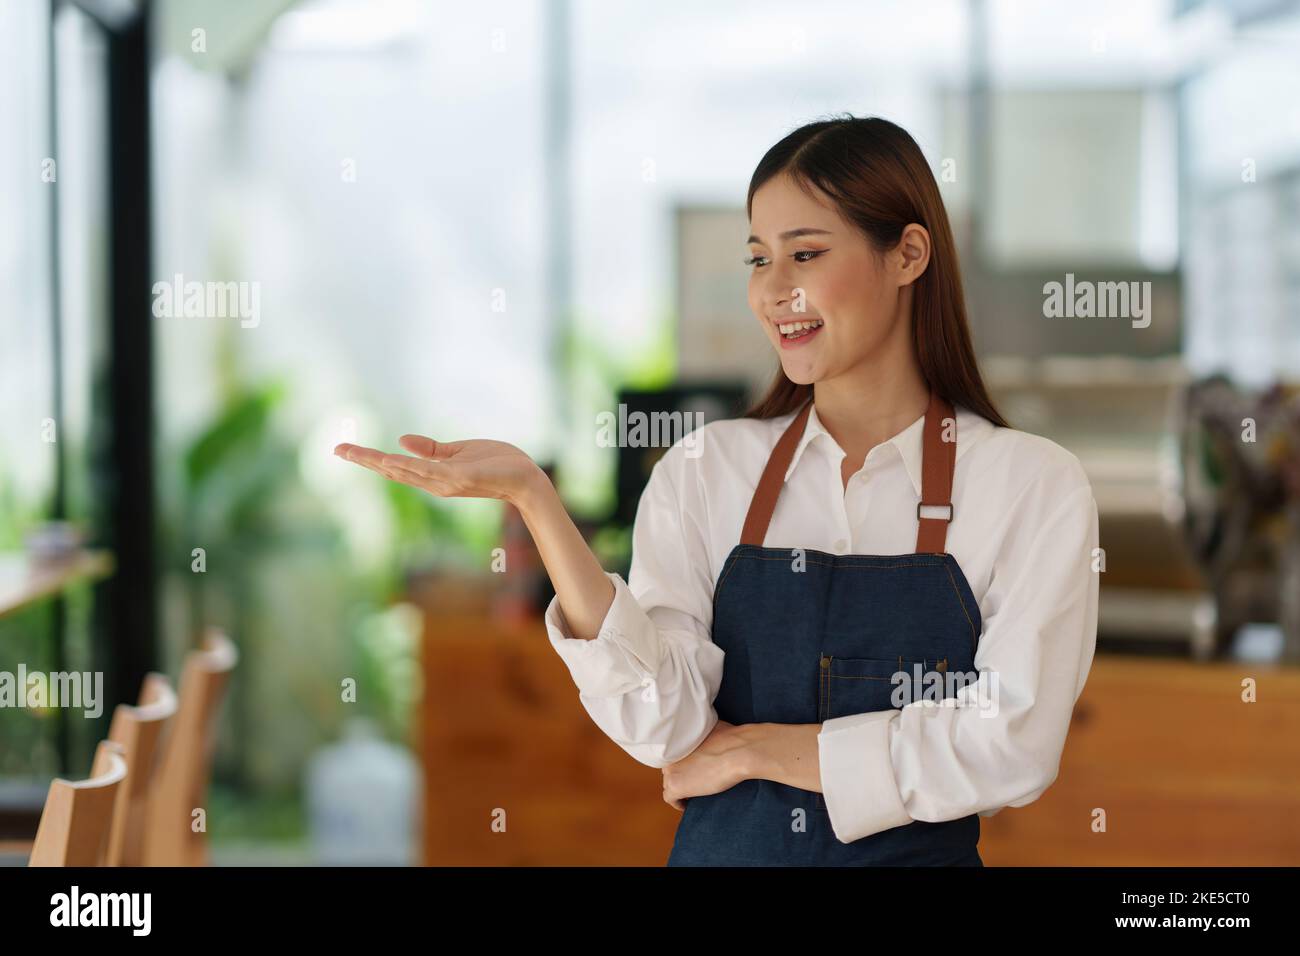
x=861 y=411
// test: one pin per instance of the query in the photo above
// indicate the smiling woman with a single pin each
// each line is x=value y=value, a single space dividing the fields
x=782 y=581
x=872 y=246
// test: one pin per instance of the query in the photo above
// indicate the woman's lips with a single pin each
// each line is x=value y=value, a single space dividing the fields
x=787 y=343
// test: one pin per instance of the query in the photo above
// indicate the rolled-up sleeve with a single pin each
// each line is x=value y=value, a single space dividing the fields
x=649 y=677
x=1001 y=745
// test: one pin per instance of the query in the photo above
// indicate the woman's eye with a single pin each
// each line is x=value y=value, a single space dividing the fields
x=810 y=253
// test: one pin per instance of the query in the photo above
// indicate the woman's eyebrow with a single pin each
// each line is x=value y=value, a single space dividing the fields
x=793 y=234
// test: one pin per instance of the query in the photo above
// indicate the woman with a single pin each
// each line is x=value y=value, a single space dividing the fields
x=858 y=618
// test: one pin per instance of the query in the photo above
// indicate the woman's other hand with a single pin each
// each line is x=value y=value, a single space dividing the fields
x=785 y=753
x=717 y=764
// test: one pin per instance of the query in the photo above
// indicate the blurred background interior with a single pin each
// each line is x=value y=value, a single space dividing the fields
x=501 y=219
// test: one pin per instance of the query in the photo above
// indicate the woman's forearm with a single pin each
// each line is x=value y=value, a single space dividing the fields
x=581 y=585
x=785 y=753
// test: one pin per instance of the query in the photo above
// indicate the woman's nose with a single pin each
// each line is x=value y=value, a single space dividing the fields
x=783 y=296
x=777 y=291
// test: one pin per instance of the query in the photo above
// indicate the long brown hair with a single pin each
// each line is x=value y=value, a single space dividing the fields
x=879 y=179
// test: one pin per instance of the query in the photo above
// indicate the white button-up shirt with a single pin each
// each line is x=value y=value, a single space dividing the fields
x=1024 y=532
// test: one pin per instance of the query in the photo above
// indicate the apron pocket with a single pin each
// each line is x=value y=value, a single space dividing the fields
x=859 y=685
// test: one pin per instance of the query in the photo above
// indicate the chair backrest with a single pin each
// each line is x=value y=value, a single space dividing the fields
x=75 y=823
x=138 y=730
x=180 y=782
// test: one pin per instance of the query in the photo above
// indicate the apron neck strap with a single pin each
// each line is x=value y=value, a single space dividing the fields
x=763 y=503
x=938 y=460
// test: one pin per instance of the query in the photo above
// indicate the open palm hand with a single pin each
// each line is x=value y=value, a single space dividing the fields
x=473 y=468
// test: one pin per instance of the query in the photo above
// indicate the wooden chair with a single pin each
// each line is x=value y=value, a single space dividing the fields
x=138 y=730
x=135 y=730
x=77 y=818
x=180 y=782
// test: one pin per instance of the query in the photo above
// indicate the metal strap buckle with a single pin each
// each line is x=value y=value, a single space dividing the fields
x=948 y=506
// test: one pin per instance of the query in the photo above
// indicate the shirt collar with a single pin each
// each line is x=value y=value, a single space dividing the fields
x=907 y=443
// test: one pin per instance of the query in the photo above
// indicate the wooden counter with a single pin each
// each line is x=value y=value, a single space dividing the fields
x=502 y=729
x=1186 y=773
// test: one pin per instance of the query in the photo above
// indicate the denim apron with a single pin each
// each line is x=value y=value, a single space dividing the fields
x=810 y=636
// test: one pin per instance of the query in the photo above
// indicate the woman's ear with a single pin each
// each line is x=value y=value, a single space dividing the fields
x=912 y=254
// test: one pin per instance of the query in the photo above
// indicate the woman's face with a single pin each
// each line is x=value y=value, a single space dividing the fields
x=808 y=264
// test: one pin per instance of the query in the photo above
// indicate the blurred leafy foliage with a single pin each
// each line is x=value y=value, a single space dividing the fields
x=284 y=580
x=595 y=370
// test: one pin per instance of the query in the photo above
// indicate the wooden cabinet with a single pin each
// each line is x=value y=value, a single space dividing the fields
x=505 y=738
x=1186 y=773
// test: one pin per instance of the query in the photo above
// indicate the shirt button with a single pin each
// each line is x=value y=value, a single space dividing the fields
x=840 y=544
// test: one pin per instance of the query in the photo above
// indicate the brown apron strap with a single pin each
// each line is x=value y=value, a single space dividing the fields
x=763 y=503
x=938 y=460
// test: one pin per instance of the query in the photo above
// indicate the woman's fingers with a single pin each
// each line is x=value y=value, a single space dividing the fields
x=359 y=453
x=416 y=472
x=429 y=475
x=369 y=458
x=418 y=445
x=435 y=470
x=372 y=458
x=424 y=447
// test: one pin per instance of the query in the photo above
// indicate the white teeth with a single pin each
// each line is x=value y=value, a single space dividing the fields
x=790 y=327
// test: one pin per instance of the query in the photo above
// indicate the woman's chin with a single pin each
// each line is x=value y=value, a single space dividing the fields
x=798 y=372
